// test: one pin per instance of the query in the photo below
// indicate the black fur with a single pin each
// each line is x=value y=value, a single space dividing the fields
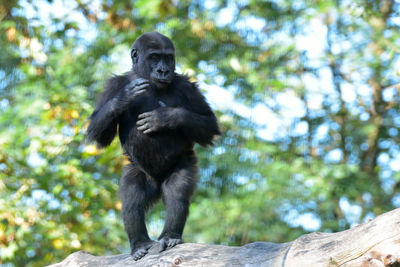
x=159 y=115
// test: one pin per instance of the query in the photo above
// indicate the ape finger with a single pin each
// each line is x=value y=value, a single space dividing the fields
x=139 y=92
x=150 y=130
x=144 y=128
x=163 y=245
x=136 y=88
x=145 y=115
x=139 y=254
x=141 y=122
x=139 y=87
x=174 y=241
x=137 y=82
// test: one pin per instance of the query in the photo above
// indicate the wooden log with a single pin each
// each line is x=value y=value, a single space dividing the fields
x=375 y=243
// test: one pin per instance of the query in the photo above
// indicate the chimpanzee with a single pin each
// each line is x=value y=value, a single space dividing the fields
x=160 y=115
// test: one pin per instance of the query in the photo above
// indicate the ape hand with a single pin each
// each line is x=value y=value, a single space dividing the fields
x=159 y=119
x=133 y=89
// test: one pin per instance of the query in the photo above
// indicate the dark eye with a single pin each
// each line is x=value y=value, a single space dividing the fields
x=154 y=57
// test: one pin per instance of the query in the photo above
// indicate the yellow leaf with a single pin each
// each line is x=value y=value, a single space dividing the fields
x=46 y=106
x=11 y=34
x=74 y=114
x=91 y=150
x=118 y=205
x=57 y=244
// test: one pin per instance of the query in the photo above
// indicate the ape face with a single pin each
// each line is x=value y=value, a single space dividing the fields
x=161 y=65
x=153 y=57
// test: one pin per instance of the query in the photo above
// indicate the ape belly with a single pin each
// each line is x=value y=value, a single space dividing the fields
x=158 y=153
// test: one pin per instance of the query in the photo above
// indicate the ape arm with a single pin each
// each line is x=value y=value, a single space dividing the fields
x=201 y=128
x=115 y=99
x=103 y=124
x=195 y=118
x=198 y=127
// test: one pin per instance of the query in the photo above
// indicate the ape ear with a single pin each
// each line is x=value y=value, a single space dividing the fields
x=134 y=55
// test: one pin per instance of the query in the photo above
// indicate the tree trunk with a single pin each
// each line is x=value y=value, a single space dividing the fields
x=375 y=243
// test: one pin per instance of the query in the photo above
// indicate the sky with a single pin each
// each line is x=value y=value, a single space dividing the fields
x=271 y=125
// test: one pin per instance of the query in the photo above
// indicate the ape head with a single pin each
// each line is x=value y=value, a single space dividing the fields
x=153 y=58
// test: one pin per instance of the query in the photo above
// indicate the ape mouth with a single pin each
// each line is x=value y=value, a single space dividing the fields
x=163 y=81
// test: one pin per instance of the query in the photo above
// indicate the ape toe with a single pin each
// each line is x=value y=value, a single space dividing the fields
x=141 y=250
x=167 y=242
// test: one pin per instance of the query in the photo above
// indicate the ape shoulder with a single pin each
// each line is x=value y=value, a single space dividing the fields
x=183 y=82
x=113 y=86
x=200 y=123
x=103 y=125
x=195 y=100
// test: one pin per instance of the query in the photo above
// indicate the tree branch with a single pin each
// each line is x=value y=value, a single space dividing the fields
x=375 y=243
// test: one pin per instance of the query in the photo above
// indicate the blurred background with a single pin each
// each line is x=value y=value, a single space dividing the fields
x=306 y=93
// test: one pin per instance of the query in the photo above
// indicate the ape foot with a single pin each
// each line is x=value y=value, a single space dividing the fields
x=141 y=249
x=168 y=242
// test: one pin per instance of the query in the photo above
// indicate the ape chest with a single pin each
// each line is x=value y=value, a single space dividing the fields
x=152 y=102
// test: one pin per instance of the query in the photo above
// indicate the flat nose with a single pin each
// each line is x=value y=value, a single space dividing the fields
x=163 y=71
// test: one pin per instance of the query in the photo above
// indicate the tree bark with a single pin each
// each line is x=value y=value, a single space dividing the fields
x=375 y=243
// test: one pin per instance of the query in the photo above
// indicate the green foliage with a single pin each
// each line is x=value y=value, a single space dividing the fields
x=58 y=194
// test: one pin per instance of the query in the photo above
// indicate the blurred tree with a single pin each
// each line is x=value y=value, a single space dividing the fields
x=310 y=137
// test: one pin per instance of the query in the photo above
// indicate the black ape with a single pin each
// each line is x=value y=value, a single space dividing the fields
x=160 y=115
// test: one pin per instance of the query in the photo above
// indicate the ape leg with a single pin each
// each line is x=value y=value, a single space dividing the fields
x=177 y=190
x=137 y=192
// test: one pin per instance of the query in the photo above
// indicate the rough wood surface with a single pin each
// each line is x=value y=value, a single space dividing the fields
x=375 y=243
